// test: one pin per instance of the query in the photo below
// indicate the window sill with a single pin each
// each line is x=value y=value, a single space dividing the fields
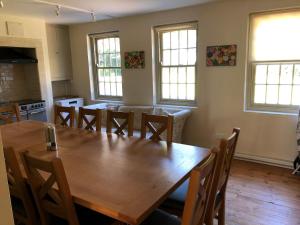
x=271 y=112
x=176 y=106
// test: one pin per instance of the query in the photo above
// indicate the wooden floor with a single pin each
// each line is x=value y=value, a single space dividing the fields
x=262 y=195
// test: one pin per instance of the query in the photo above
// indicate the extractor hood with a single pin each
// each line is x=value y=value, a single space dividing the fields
x=17 y=55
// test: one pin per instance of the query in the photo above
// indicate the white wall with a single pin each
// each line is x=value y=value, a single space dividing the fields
x=221 y=89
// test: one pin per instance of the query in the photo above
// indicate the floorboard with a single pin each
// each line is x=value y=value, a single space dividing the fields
x=262 y=195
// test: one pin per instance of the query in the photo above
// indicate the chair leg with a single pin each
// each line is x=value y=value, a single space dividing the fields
x=209 y=221
x=221 y=213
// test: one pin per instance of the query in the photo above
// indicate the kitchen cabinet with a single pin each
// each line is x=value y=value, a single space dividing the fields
x=59 y=52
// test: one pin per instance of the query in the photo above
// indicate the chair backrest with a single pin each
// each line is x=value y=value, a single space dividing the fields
x=18 y=189
x=157 y=124
x=8 y=112
x=64 y=116
x=90 y=124
x=50 y=188
x=224 y=159
x=198 y=192
x=113 y=120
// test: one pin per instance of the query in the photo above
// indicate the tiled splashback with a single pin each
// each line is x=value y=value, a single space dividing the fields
x=19 y=81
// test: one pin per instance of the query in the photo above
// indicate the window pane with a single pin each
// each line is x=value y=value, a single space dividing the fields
x=272 y=94
x=165 y=91
x=166 y=57
x=174 y=57
x=166 y=40
x=173 y=75
x=100 y=75
x=117 y=40
x=112 y=45
x=297 y=74
x=106 y=45
x=118 y=60
x=296 y=95
x=173 y=91
x=273 y=74
x=113 y=88
x=119 y=89
x=106 y=60
x=101 y=89
x=191 y=56
x=182 y=91
x=183 y=39
x=191 y=92
x=285 y=94
x=107 y=89
x=112 y=75
x=100 y=46
x=261 y=74
x=174 y=39
x=165 y=75
x=183 y=57
x=286 y=76
x=182 y=75
x=191 y=75
x=113 y=60
x=260 y=94
x=192 y=39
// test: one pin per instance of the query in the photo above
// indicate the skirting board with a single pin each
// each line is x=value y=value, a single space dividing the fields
x=263 y=160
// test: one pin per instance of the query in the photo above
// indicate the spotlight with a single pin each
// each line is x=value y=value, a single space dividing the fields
x=1 y=4
x=57 y=10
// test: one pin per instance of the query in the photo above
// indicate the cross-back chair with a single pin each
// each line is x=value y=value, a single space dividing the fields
x=201 y=180
x=8 y=112
x=24 y=210
x=157 y=124
x=64 y=116
x=218 y=193
x=52 y=194
x=114 y=120
x=90 y=124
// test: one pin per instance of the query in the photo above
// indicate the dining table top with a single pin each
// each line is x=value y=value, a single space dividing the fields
x=125 y=178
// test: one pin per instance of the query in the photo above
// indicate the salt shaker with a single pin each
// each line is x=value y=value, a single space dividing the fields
x=50 y=138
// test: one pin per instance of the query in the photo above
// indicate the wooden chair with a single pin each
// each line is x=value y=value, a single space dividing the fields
x=216 y=207
x=52 y=194
x=89 y=124
x=151 y=122
x=8 y=112
x=64 y=116
x=197 y=198
x=112 y=120
x=24 y=211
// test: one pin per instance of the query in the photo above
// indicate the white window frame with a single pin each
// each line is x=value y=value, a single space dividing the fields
x=94 y=49
x=250 y=105
x=251 y=89
x=158 y=53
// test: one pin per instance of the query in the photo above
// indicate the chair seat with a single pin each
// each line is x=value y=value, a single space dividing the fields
x=159 y=217
x=179 y=195
x=85 y=217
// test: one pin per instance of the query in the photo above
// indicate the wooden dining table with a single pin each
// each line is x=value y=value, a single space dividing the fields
x=123 y=178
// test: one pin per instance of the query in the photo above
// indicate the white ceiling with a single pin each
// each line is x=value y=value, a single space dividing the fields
x=104 y=9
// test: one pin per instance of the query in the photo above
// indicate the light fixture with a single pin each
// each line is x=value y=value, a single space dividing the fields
x=1 y=4
x=57 y=10
x=93 y=16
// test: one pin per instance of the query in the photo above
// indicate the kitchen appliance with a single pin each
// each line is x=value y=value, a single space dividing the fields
x=33 y=110
x=76 y=102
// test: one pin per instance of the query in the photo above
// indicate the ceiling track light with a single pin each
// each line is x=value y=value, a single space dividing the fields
x=57 y=10
x=93 y=16
x=1 y=4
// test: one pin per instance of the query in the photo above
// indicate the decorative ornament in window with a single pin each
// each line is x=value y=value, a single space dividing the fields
x=135 y=60
x=223 y=55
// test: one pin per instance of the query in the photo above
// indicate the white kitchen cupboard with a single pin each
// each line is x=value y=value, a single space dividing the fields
x=59 y=52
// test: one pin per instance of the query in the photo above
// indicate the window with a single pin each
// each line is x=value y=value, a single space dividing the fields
x=107 y=65
x=176 y=63
x=274 y=61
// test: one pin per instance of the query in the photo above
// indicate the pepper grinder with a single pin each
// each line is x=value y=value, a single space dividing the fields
x=50 y=138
